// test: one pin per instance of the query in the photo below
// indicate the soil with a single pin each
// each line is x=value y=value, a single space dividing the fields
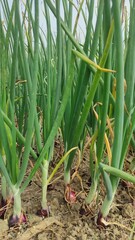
x=73 y=221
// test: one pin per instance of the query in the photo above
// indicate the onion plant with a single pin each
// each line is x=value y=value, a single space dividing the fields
x=123 y=129
x=14 y=168
x=51 y=89
x=103 y=115
x=77 y=93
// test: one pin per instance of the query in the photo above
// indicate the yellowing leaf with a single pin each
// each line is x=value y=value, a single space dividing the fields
x=90 y=62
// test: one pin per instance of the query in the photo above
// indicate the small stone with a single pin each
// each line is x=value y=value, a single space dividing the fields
x=84 y=236
x=42 y=236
